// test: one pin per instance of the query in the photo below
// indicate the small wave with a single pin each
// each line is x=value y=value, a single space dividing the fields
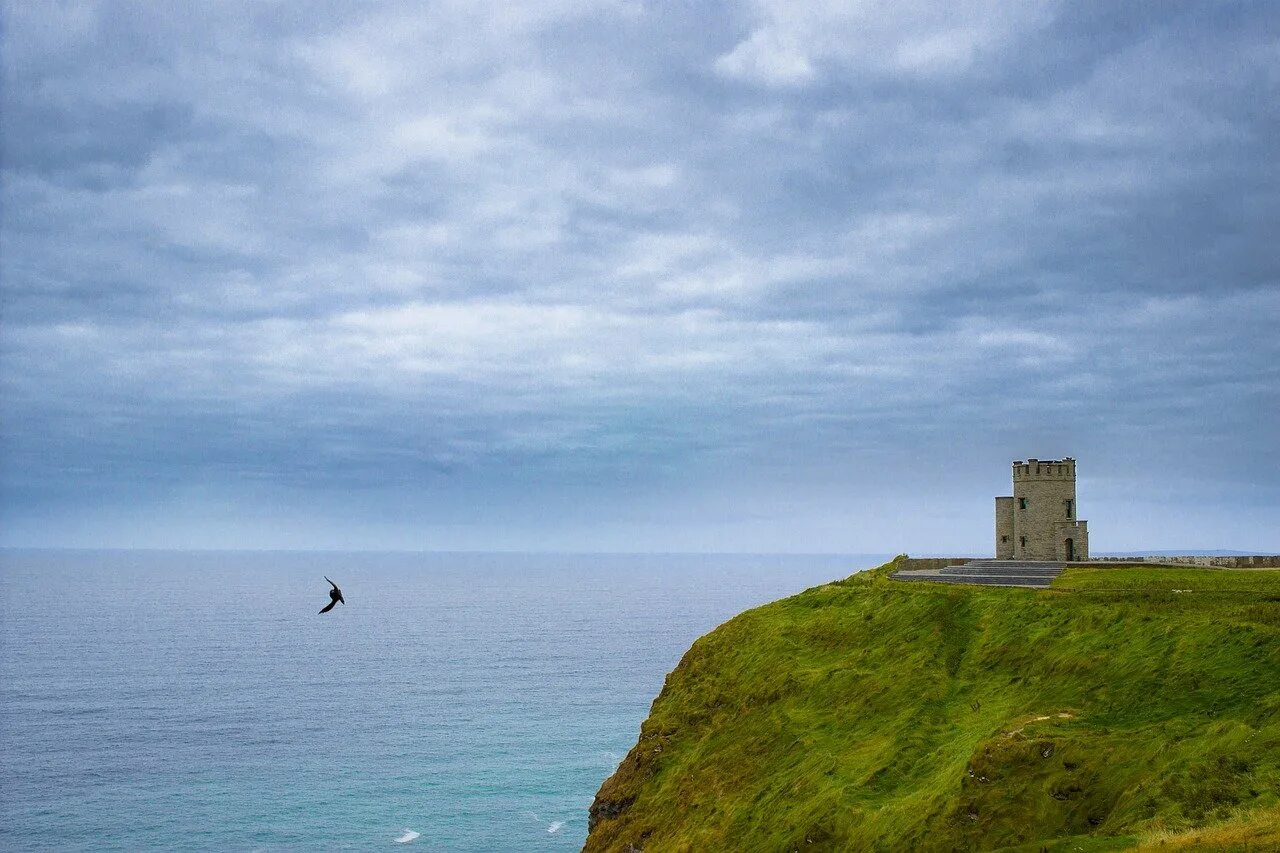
x=409 y=835
x=553 y=827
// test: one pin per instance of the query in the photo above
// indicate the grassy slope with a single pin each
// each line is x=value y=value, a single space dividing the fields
x=879 y=715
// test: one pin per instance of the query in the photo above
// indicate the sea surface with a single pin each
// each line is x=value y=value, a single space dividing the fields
x=174 y=700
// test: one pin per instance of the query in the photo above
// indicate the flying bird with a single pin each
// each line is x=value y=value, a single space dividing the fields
x=335 y=595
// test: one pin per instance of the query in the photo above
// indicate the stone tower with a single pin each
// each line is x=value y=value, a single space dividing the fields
x=1039 y=522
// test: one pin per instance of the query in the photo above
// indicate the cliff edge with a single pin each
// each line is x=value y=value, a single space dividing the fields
x=1125 y=708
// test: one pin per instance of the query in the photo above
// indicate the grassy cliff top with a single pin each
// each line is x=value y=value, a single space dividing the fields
x=1125 y=708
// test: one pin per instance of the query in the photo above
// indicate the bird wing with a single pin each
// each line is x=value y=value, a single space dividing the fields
x=331 y=583
x=329 y=606
x=340 y=598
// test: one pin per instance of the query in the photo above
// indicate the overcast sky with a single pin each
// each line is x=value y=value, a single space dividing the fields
x=637 y=276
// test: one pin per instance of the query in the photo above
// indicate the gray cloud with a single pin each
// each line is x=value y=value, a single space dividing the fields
x=611 y=275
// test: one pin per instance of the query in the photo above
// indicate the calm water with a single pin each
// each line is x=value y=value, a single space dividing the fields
x=197 y=700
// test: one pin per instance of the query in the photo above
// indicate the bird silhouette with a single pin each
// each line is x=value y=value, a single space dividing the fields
x=335 y=595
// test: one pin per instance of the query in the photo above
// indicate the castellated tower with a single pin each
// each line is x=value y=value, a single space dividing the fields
x=1039 y=522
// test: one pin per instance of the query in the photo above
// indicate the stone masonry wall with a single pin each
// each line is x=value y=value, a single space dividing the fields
x=1041 y=491
x=1078 y=532
x=933 y=563
x=1252 y=561
x=1004 y=528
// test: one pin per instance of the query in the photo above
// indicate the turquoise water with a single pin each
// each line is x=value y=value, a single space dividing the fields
x=156 y=700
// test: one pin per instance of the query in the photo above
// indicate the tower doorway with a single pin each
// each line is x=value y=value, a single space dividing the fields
x=1071 y=550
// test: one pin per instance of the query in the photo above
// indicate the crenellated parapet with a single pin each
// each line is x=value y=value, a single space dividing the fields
x=1044 y=469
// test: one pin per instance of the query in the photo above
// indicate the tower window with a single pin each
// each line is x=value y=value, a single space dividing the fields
x=1022 y=540
x=1022 y=503
x=1004 y=538
x=1068 y=509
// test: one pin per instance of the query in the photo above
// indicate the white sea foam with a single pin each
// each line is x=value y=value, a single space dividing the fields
x=409 y=835
x=553 y=827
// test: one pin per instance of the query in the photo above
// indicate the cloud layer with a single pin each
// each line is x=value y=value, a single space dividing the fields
x=628 y=276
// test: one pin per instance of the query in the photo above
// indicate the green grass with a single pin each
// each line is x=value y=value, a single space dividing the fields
x=868 y=714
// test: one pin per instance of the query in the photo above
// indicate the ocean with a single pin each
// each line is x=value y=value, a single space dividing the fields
x=457 y=702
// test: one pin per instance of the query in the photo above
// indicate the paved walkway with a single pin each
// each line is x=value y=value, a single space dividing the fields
x=1025 y=573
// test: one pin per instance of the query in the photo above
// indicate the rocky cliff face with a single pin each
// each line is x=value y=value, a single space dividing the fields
x=1126 y=704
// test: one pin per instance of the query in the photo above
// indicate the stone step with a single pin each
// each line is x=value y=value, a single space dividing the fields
x=1030 y=582
x=990 y=573
x=960 y=578
x=1034 y=574
x=961 y=570
x=999 y=570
